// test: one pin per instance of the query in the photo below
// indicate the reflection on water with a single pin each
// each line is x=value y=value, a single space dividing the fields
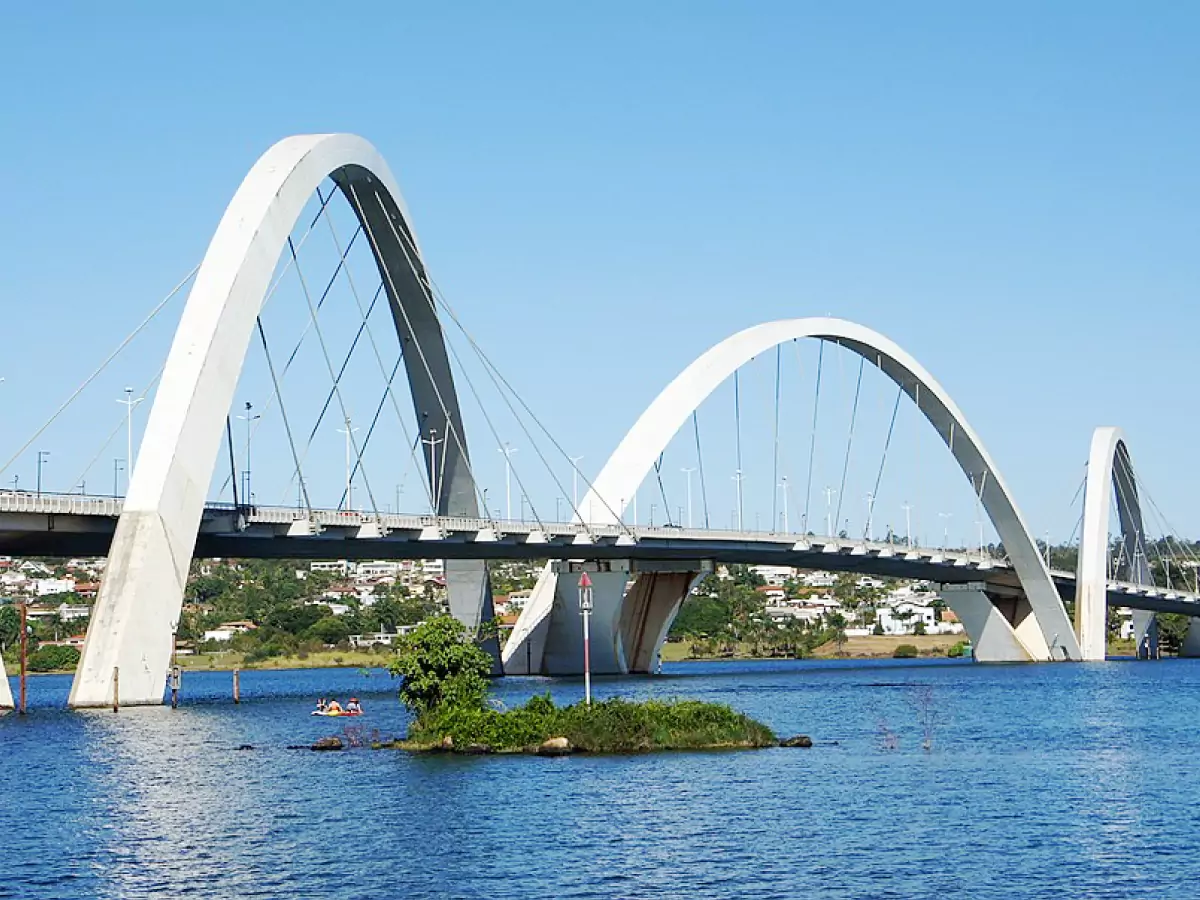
x=1068 y=780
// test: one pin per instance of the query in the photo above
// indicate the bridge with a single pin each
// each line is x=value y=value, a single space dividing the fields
x=1009 y=599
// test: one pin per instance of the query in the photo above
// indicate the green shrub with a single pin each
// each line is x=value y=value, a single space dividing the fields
x=49 y=659
x=441 y=665
x=608 y=726
x=958 y=650
x=904 y=651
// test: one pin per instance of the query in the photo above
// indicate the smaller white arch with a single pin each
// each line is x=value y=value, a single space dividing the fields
x=1046 y=634
x=1109 y=474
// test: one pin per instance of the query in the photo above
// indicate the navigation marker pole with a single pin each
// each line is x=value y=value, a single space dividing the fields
x=585 y=607
x=24 y=653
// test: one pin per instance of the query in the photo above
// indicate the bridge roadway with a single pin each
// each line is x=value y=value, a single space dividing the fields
x=77 y=525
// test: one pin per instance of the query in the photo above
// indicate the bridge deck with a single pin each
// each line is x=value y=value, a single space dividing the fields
x=74 y=525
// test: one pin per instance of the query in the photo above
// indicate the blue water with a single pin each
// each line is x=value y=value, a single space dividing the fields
x=1041 y=781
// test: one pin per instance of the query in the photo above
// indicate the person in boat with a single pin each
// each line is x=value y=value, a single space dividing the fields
x=321 y=704
x=353 y=706
x=333 y=707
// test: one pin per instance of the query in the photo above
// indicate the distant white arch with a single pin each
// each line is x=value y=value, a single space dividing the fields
x=1046 y=634
x=1109 y=472
x=142 y=590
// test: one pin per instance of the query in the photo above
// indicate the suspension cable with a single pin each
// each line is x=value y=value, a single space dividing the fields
x=104 y=365
x=849 y=442
x=812 y=444
x=775 y=446
x=700 y=466
x=329 y=367
x=283 y=414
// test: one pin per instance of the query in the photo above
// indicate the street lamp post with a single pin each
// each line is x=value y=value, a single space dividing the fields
x=830 y=493
x=435 y=486
x=348 y=432
x=945 y=517
x=249 y=417
x=908 y=524
x=870 y=512
x=585 y=610
x=688 y=473
x=737 y=480
x=575 y=460
x=129 y=403
x=118 y=467
x=42 y=456
x=783 y=486
x=508 y=451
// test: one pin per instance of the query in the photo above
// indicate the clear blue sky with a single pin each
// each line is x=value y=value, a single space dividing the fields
x=1012 y=193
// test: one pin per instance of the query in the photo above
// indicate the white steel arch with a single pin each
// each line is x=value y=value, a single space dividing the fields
x=1045 y=634
x=1109 y=472
x=142 y=591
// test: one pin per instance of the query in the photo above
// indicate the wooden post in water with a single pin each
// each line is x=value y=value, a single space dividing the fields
x=176 y=681
x=116 y=688
x=24 y=654
x=237 y=685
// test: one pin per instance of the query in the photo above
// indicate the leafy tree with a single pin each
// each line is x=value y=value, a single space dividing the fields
x=47 y=659
x=441 y=664
x=297 y=619
x=329 y=630
x=10 y=625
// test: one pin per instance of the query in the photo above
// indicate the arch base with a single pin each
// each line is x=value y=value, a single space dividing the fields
x=993 y=637
x=6 y=697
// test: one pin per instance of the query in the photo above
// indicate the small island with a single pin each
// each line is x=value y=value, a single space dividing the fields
x=445 y=685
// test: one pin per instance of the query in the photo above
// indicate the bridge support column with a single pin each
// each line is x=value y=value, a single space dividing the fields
x=469 y=595
x=1145 y=633
x=6 y=697
x=1191 y=641
x=651 y=604
x=991 y=632
x=629 y=622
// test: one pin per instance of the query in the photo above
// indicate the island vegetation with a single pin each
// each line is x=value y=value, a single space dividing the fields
x=445 y=686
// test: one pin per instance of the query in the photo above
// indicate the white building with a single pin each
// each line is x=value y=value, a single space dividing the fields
x=46 y=586
x=819 y=579
x=335 y=566
x=774 y=575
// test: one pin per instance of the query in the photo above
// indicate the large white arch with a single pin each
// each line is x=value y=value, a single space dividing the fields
x=1042 y=629
x=142 y=591
x=1109 y=473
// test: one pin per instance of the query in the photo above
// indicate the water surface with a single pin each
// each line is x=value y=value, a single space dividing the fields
x=1041 y=781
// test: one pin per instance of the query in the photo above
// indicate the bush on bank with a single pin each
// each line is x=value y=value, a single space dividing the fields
x=445 y=686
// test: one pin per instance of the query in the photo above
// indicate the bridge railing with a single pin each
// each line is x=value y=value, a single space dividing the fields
x=59 y=504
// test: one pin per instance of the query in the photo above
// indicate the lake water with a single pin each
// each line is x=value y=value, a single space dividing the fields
x=1041 y=781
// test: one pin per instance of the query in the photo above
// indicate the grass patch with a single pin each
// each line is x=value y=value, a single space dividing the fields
x=609 y=726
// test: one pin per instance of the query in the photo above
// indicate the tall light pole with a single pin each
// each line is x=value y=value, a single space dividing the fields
x=575 y=460
x=908 y=523
x=42 y=456
x=783 y=486
x=348 y=432
x=435 y=487
x=118 y=467
x=508 y=451
x=945 y=517
x=688 y=472
x=129 y=403
x=870 y=513
x=585 y=610
x=249 y=417
x=738 y=477
x=830 y=493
